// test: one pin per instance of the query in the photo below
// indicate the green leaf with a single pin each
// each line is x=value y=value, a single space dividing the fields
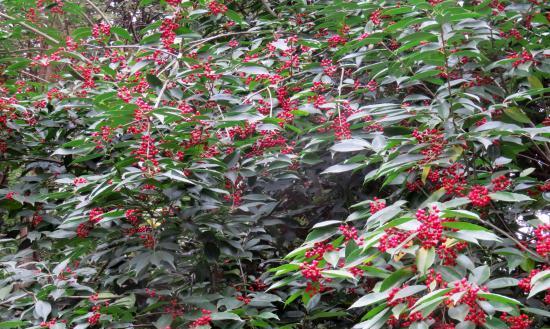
x=448 y=213
x=535 y=82
x=253 y=70
x=509 y=197
x=12 y=324
x=340 y=168
x=502 y=283
x=225 y=316
x=395 y=278
x=498 y=298
x=540 y=286
x=153 y=80
x=351 y=145
x=480 y=274
x=424 y=259
x=370 y=299
x=409 y=291
x=464 y=226
x=341 y=274
x=121 y=32
x=431 y=296
x=517 y=114
x=42 y=309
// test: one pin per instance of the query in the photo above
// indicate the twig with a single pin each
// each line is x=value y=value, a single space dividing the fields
x=35 y=76
x=268 y=8
x=520 y=245
x=99 y=11
x=270 y=103
x=32 y=29
x=196 y=43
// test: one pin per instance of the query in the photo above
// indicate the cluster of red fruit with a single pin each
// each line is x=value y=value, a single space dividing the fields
x=521 y=321
x=349 y=233
x=376 y=205
x=318 y=251
x=542 y=235
x=168 y=34
x=430 y=232
x=479 y=196
x=245 y=299
x=101 y=29
x=204 y=320
x=522 y=58
x=52 y=323
x=435 y=141
x=311 y=271
x=392 y=301
x=404 y=320
x=96 y=315
x=132 y=216
x=470 y=298
x=448 y=254
x=173 y=3
x=217 y=8
x=392 y=238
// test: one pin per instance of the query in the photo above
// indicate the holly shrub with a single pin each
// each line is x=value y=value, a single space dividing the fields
x=274 y=164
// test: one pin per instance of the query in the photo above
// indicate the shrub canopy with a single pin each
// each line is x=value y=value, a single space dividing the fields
x=274 y=164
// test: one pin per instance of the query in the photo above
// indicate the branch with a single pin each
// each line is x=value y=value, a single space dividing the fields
x=34 y=76
x=268 y=8
x=520 y=245
x=31 y=29
x=99 y=11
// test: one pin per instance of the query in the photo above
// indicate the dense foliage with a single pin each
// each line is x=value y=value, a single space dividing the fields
x=274 y=164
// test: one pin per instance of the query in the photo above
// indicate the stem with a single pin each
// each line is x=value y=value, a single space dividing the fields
x=496 y=228
x=268 y=8
x=32 y=29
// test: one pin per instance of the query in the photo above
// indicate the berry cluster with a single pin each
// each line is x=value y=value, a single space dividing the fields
x=372 y=85
x=336 y=40
x=168 y=34
x=95 y=215
x=319 y=249
x=435 y=141
x=79 y=180
x=376 y=205
x=328 y=68
x=392 y=238
x=449 y=254
x=204 y=320
x=349 y=232
x=52 y=323
x=404 y=320
x=522 y=58
x=217 y=8
x=132 y=215
x=430 y=230
x=470 y=298
x=375 y=17
x=311 y=271
x=521 y=321
x=501 y=183
x=434 y=278
x=392 y=301
x=173 y=3
x=101 y=29
x=542 y=235
x=341 y=128
x=453 y=179
x=479 y=196
x=245 y=299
